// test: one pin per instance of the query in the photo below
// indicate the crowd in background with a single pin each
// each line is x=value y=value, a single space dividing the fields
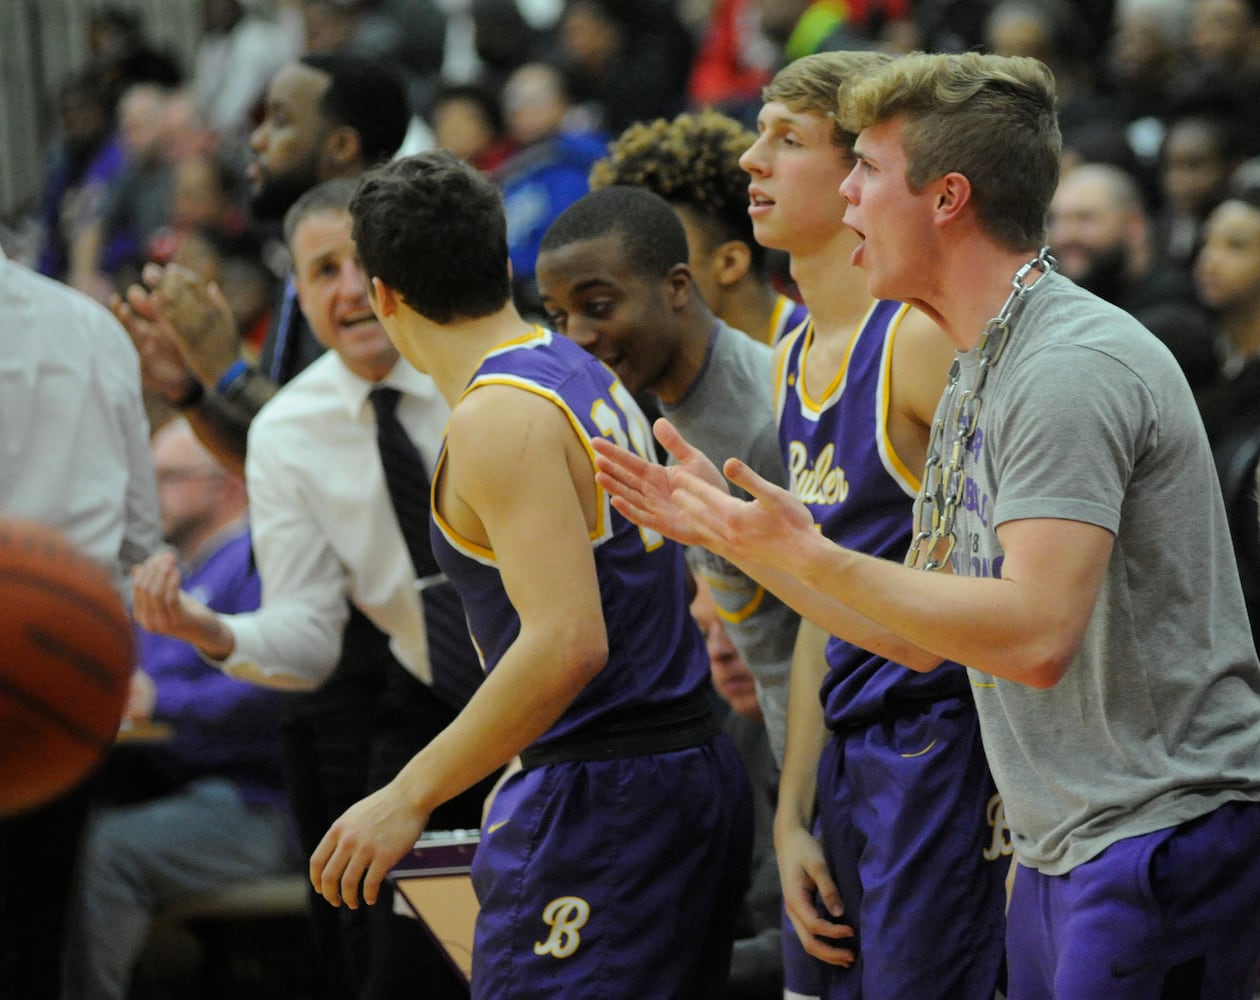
x=149 y=153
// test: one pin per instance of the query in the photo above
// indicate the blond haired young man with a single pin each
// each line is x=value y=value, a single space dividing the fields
x=1117 y=687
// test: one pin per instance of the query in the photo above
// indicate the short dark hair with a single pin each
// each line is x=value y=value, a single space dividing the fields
x=649 y=229
x=432 y=228
x=330 y=196
x=367 y=97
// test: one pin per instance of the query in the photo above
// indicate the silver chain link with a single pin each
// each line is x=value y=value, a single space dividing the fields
x=944 y=480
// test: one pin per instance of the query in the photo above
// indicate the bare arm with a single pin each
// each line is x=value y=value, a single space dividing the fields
x=1025 y=626
x=802 y=866
x=520 y=489
x=650 y=494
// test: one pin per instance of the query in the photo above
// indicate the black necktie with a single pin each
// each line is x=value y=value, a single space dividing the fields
x=454 y=664
x=406 y=478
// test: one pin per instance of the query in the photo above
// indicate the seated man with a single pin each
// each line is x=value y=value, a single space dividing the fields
x=207 y=806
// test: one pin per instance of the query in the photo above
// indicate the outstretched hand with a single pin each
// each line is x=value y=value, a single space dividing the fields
x=159 y=605
x=691 y=502
x=645 y=492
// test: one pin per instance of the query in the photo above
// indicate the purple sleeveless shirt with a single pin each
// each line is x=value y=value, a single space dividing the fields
x=656 y=653
x=843 y=467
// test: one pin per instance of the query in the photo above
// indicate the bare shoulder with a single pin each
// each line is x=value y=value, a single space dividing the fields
x=503 y=416
x=922 y=356
x=501 y=436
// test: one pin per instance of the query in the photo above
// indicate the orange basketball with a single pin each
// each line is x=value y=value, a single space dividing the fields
x=65 y=664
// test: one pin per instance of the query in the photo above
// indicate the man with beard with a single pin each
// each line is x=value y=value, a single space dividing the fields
x=1100 y=234
x=326 y=116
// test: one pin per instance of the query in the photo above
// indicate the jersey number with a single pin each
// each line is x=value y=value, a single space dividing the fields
x=623 y=422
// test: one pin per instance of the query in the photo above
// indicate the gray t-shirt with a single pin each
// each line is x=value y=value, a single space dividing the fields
x=728 y=412
x=1087 y=417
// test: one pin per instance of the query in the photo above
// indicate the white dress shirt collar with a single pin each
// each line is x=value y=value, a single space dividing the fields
x=354 y=389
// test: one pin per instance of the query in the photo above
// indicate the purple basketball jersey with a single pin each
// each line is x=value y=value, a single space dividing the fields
x=843 y=467
x=656 y=653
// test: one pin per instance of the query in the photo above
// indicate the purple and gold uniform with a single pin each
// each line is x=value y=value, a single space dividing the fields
x=908 y=815
x=788 y=314
x=613 y=864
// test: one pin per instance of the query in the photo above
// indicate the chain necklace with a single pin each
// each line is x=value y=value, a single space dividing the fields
x=943 y=480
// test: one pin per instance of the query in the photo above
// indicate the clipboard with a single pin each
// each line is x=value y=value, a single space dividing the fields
x=434 y=883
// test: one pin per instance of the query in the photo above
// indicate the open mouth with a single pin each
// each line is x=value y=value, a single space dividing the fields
x=357 y=321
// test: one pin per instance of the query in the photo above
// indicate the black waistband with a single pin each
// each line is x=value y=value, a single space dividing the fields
x=634 y=732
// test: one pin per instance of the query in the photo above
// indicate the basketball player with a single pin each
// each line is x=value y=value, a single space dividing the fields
x=1071 y=489
x=855 y=390
x=613 y=276
x=615 y=859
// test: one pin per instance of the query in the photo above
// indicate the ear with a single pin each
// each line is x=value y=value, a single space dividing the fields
x=384 y=299
x=679 y=285
x=343 y=151
x=731 y=262
x=950 y=195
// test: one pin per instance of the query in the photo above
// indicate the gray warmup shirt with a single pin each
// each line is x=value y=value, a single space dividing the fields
x=1087 y=417
x=729 y=412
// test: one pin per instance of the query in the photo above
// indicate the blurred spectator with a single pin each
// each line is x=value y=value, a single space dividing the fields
x=803 y=27
x=959 y=25
x=1100 y=234
x=1050 y=30
x=1225 y=44
x=1146 y=57
x=547 y=173
x=207 y=807
x=628 y=60
x=328 y=26
x=137 y=202
x=1227 y=273
x=735 y=60
x=238 y=52
x=408 y=36
x=503 y=40
x=120 y=55
x=185 y=132
x=204 y=195
x=83 y=162
x=467 y=120
x=1199 y=154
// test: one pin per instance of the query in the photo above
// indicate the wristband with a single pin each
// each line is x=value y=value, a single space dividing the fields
x=196 y=392
x=230 y=377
